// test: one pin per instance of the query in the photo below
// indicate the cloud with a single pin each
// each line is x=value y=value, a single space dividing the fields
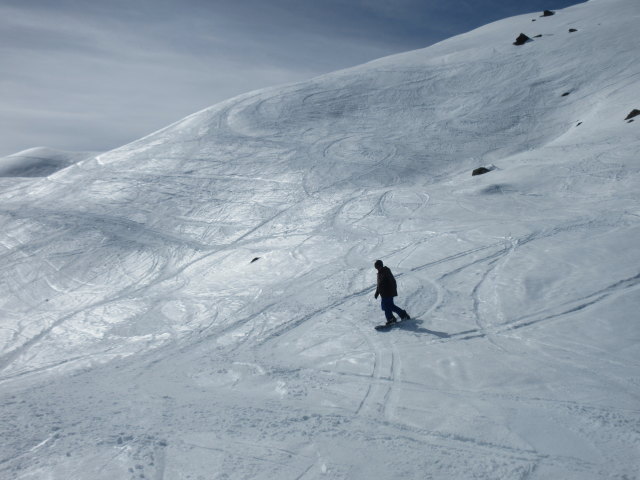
x=80 y=75
x=95 y=78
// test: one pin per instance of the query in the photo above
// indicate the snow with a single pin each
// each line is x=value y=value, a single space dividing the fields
x=39 y=162
x=139 y=340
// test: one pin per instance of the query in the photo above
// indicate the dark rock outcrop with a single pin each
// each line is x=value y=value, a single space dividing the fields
x=571 y=30
x=633 y=113
x=548 y=13
x=480 y=171
x=522 y=39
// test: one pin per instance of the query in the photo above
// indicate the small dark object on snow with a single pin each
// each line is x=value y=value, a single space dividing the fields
x=633 y=113
x=480 y=171
x=533 y=20
x=522 y=39
x=255 y=259
x=630 y=121
x=579 y=123
x=571 y=30
x=565 y=94
x=537 y=36
x=548 y=13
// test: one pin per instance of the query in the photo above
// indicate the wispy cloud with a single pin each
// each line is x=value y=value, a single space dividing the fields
x=95 y=75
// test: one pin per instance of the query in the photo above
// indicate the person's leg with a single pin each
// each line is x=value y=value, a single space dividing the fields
x=403 y=313
x=387 y=305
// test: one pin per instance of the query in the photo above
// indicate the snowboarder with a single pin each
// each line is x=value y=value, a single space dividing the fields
x=387 y=289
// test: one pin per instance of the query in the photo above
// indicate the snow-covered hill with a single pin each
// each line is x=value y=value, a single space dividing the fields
x=139 y=339
x=39 y=162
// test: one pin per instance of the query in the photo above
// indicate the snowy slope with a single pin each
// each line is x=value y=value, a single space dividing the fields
x=139 y=340
x=39 y=162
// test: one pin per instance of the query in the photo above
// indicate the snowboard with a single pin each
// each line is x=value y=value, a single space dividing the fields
x=385 y=327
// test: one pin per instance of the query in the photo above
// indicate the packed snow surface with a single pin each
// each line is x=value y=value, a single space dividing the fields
x=139 y=340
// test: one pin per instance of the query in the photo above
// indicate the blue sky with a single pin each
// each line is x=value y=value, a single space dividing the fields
x=94 y=75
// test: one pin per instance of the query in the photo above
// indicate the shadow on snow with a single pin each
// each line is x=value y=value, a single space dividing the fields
x=414 y=325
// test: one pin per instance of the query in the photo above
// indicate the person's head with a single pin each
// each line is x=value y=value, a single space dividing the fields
x=378 y=265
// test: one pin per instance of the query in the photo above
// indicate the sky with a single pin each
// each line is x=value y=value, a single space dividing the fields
x=95 y=75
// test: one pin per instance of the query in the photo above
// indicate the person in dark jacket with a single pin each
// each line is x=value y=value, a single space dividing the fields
x=387 y=289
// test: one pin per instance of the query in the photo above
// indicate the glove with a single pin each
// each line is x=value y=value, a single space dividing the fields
x=376 y=295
